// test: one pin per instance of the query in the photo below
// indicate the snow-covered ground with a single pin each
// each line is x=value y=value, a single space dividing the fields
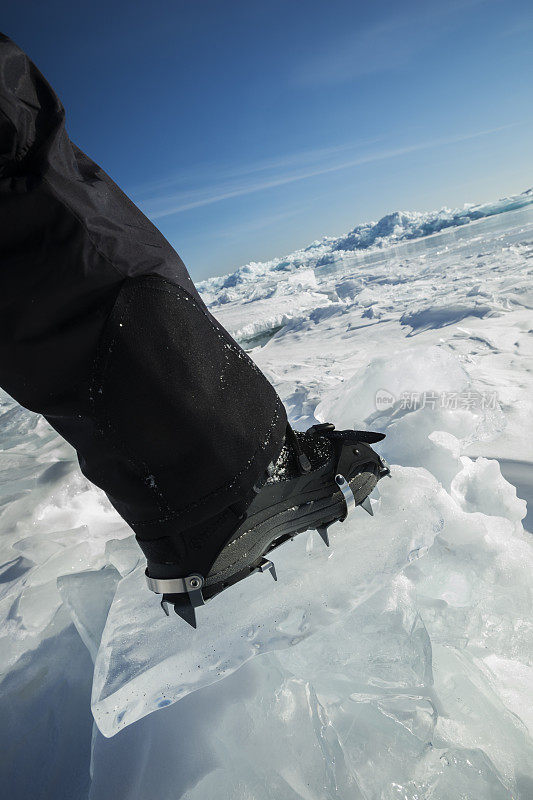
x=397 y=664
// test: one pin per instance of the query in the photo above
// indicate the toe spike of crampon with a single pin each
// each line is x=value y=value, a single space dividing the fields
x=185 y=604
x=185 y=609
x=185 y=594
x=323 y=533
x=267 y=565
x=367 y=505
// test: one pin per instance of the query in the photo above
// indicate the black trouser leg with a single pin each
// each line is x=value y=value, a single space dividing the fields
x=103 y=332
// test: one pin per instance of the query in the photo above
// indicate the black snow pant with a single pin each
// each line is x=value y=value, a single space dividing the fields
x=103 y=333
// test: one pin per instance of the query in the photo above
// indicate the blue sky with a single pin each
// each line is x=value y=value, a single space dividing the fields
x=247 y=129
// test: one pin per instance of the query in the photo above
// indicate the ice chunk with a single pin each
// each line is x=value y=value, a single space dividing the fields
x=380 y=643
x=439 y=316
x=412 y=371
x=38 y=605
x=124 y=554
x=136 y=674
x=67 y=559
x=513 y=681
x=458 y=773
x=39 y=547
x=428 y=437
x=475 y=717
x=260 y=734
x=480 y=486
x=88 y=597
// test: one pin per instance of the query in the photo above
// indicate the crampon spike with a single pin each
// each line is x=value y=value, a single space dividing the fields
x=323 y=533
x=367 y=505
x=268 y=565
x=185 y=604
x=185 y=609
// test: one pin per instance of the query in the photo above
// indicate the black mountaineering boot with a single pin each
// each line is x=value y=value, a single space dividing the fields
x=318 y=477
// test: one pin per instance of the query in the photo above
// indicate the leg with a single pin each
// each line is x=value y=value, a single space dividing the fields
x=103 y=332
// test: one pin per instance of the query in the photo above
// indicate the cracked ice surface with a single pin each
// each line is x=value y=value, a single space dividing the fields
x=397 y=664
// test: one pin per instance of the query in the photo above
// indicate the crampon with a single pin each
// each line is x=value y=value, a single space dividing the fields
x=320 y=476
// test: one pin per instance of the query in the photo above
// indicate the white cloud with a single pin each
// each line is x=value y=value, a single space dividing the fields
x=175 y=203
x=215 y=171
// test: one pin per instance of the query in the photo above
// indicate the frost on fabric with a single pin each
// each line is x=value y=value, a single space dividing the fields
x=279 y=470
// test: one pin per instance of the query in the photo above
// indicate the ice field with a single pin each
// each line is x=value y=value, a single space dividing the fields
x=395 y=665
